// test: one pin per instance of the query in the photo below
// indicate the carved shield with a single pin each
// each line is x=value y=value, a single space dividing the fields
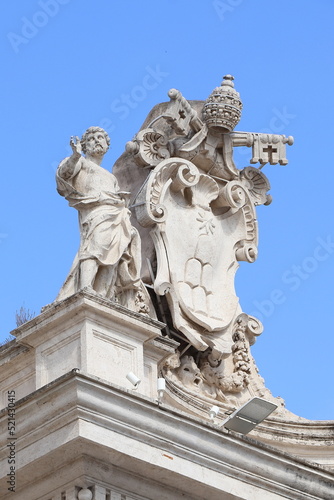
x=201 y=228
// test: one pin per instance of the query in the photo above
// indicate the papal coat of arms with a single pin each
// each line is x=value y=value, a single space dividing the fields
x=199 y=209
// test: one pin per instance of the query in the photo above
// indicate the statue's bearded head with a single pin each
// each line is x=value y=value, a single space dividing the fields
x=95 y=141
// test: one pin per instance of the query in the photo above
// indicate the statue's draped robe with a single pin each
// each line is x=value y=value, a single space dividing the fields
x=105 y=228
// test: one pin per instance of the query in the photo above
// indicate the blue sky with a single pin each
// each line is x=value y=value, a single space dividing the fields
x=70 y=64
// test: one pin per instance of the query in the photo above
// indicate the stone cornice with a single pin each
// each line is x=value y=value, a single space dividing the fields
x=60 y=419
x=80 y=301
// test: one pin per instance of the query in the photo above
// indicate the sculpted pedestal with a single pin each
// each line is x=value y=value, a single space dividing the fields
x=94 y=336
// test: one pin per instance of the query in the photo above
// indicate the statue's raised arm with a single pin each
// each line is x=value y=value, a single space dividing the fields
x=109 y=258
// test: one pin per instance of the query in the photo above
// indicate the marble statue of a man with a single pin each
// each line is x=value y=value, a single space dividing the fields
x=108 y=261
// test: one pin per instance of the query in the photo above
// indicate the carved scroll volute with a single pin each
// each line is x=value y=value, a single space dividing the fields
x=233 y=195
x=149 y=147
x=251 y=326
x=174 y=173
x=245 y=249
x=246 y=252
x=237 y=196
x=256 y=186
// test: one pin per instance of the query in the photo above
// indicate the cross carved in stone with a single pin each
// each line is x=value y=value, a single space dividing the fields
x=270 y=151
x=182 y=113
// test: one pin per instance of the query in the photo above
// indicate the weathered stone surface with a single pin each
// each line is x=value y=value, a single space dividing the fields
x=79 y=432
x=199 y=212
x=90 y=334
x=109 y=259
